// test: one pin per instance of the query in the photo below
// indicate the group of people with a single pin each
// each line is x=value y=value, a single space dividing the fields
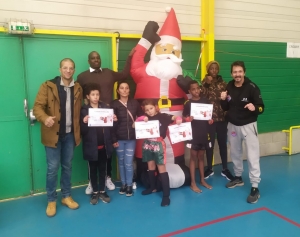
x=64 y=118
x=61 y=106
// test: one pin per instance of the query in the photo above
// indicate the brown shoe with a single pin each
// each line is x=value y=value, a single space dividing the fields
x=69 y=202
x=51 y=209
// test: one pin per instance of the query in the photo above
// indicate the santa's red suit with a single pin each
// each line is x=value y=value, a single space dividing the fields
x=150 y=87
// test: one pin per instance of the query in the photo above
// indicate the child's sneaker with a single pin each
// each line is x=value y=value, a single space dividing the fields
x=253 y=196
x=129 y=191
x=134 y=186
x=94 y=198
x=89 y=189
x=207 y=173
x=104 y=197
x=236 y=181
x=123 y=189
x=226 y=173
x=109 y=184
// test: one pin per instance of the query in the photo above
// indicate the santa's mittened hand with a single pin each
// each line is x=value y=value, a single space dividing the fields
x=184 y=83
x=150 y=32
x=152 y=26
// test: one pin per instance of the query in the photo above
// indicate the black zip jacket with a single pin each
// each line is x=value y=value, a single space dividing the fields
x=237 y=98
x=123 y=129
x=89 y=136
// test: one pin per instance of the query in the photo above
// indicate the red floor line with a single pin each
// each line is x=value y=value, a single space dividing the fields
x=282 y=217
x=228 y=218
x=212 y=222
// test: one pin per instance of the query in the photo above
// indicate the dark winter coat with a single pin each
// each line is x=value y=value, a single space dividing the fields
x=123 y=129
x=89 y=136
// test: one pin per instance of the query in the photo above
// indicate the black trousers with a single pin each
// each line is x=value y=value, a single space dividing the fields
x=97 y=171
x=219 y=128
x=108 y=166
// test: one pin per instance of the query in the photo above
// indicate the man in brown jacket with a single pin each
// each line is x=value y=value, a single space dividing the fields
x=57 y=108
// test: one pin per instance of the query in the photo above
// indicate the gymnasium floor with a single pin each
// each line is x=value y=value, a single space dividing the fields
x=216 y=212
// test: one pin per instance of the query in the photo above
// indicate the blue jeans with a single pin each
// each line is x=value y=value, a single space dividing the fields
x=62 y=155
x=125 y=153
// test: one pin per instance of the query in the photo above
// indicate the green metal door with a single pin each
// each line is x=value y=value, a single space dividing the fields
x=42 y=55
x=15 y=168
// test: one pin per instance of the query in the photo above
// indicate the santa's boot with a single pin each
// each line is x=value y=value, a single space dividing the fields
x=166 y=189
x=151 y=175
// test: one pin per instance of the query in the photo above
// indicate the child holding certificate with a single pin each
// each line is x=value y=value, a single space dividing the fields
x=154 y=149
x=96 y=145
x=200 y=139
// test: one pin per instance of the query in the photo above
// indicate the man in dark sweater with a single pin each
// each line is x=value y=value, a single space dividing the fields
x=243 y=103
x=106 y=78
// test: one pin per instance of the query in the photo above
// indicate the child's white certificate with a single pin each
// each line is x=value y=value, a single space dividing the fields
x=148 y=129
x=201 y=111
x=182 y=132
x=100 y=117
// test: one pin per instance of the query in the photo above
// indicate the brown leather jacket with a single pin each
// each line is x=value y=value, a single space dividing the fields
x=47 y=104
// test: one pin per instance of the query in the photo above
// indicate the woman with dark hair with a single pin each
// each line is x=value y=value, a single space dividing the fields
x=123 y=135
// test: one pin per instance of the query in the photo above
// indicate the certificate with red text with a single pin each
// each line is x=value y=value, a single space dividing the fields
x=180 y=133
x=201 y=111
x=148 y=129
x=100 y=117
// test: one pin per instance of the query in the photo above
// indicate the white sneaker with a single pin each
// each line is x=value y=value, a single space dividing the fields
x=109 y=184
x=134 y=185
x=89 y=189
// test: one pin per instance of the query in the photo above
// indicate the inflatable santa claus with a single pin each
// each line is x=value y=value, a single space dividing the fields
x=157 y=80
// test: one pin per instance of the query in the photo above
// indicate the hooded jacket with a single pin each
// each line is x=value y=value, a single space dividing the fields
x=238 y=98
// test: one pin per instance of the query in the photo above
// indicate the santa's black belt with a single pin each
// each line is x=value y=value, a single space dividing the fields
x=177 y=101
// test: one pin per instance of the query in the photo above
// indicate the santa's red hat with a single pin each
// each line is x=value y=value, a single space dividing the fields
x=170 y=32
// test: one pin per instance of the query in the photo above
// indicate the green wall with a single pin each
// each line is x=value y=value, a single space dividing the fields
x=266 y=64
x=278 y=78
x=25 y=63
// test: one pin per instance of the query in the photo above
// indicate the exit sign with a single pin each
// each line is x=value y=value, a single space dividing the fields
x=19 y=27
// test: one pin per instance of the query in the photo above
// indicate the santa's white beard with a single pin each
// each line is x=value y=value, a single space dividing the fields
x=164 y=66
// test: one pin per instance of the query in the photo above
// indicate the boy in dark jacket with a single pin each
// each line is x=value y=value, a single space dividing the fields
x=97 y=145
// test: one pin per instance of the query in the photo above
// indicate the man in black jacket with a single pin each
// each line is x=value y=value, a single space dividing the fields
x=243 y=103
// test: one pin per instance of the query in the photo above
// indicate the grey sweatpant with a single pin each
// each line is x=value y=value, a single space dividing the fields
x=248 y=134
